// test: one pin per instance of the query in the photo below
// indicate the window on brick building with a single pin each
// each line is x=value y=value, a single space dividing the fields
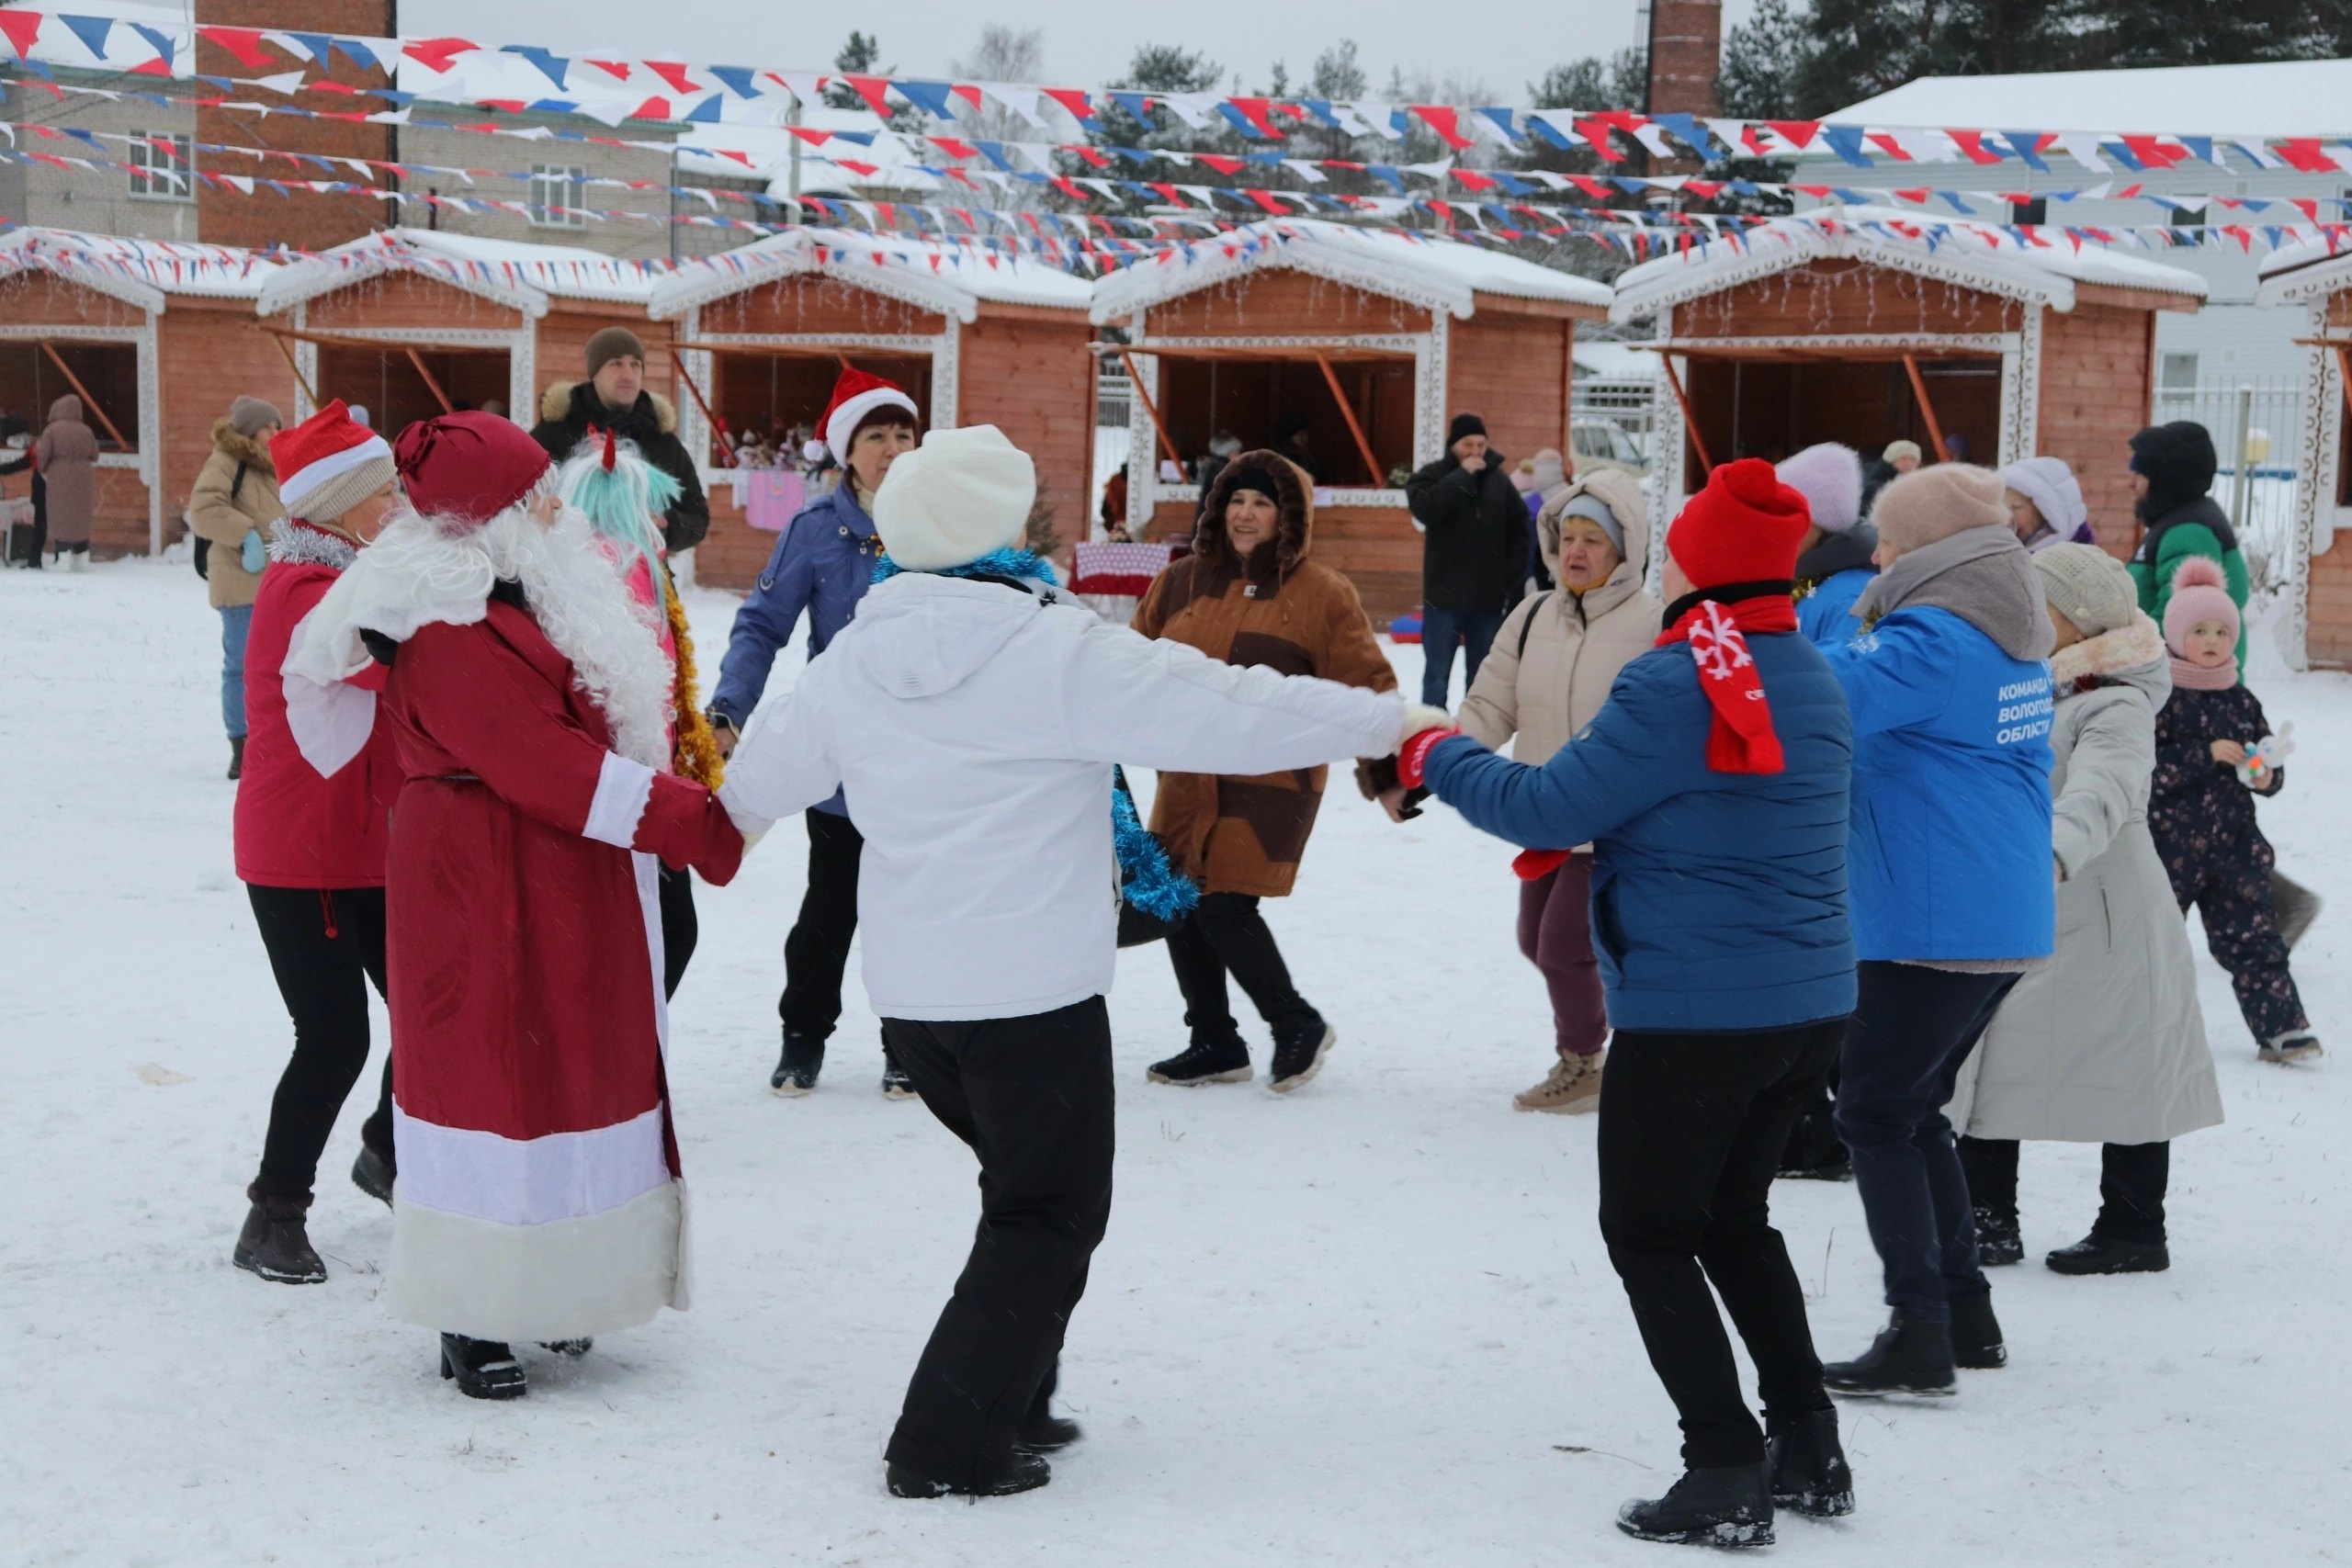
x=558 y=193
x=163 y=166
x=2035 y=211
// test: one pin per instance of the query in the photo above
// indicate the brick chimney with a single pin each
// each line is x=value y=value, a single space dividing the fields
x=1686 y=53
x=303 y=220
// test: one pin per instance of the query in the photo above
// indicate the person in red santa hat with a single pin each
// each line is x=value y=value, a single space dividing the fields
x=311 y=823
x=539 y=1195
x=823 y=566
x=1712 y=786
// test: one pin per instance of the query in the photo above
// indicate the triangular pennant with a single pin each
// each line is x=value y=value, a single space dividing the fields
x=21 y=28
x=552 y=65
x=934 y=98
x=1442 y=120
x=737 y=79
x=675 y=74
x=93 y=31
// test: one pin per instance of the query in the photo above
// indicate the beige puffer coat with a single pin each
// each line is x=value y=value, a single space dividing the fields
x=2105 y=1043
x=225 y=509
x=1574 y=644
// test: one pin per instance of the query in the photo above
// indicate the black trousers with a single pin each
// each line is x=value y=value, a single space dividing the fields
x=681 y=930
x=1033 y=1098
x=1227 y=934
x=325 y=948
x=1691 y=1129
x=2133 y=1178
x=815 y=953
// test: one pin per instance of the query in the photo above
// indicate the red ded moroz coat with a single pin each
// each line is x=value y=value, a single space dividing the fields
x=539 y=1194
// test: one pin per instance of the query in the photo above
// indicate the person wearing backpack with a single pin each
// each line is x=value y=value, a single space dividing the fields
x=1548 y=673
x=234 y=500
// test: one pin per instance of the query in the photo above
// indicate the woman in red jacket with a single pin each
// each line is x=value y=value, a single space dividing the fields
x=312 y=825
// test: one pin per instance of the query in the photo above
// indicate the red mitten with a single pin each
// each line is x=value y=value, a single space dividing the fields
x=1534 y=865
x=1413 y=755
x=683 y=825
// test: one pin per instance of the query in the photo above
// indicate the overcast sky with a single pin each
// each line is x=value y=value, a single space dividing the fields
x=1504 y=42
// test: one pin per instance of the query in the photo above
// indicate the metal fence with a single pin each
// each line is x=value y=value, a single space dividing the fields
x=2252 y=424
x=1623 y=401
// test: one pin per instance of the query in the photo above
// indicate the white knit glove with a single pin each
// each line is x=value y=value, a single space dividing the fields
x=1419 y=716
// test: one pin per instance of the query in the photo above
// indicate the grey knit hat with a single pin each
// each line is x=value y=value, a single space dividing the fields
x=247 y=415
x=2087 y=586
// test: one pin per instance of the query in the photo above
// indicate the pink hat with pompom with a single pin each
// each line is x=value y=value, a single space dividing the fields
x=2200 y=593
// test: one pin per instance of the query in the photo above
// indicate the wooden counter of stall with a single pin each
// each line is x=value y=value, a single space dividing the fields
x=2315 y=277
x=763 y=330
x=156 y=338
x=413 y=322
x=1868 y=326
x=1372 y=340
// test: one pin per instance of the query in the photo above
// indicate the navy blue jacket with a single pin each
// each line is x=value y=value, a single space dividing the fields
x=1718 y=899
x=1951 y=854
x=823 y=564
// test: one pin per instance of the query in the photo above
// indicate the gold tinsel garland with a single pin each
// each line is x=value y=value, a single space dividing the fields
x=696 y=755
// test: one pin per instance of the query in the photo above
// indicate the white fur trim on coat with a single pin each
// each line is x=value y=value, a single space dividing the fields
x=565 y=1280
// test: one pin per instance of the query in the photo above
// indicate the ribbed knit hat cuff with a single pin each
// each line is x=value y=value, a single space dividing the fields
x=341 y=493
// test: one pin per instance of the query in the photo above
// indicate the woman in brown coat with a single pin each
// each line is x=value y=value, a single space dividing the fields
x=235 y=499
x=67 y=460
x=1248 y=594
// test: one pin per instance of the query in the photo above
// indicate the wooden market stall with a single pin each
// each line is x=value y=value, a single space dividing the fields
x=1374 y=339
x=410 y=323
x=2316 y=279
x=1868 y=325
x=762 y=330
x=156 y=339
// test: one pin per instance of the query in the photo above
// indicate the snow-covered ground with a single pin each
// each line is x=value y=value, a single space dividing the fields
x=1368 y=1324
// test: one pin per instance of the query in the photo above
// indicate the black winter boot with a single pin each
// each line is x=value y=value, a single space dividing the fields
x=274 y=1243
x=236 y=756
x=2096 y=1254
x=1908 y=1357
x=1728 y=1507
x=1999 y=1243
x=372 y=1174
x=896 y=1085
x=1042 y=1432
x=1976 y=1333
x=484 y=1368
x=1023 y=1471
x=1298 y=1054
x=1212 y=1061
x=796 y=1072
x=1810 y=1475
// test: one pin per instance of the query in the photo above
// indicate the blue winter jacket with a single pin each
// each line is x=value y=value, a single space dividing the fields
x=1825 y=615
x=823 y=564
x=1718 y=899
x=1951 y=792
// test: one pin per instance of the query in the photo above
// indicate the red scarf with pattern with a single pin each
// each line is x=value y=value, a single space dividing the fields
x=1741 y=740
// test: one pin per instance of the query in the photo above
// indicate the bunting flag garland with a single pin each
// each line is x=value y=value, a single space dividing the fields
x=447 y=69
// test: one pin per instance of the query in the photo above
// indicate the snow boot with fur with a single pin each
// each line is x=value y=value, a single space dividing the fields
x=1810 y=1474
x=1909 y=1356
x=1729 y=1505
x=1571 y=1089
x=274 y=1243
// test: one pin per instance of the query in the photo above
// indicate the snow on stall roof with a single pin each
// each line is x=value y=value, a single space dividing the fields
x=2305 y=269
x=510 y=271
x=2295 y=98
x=1440 y=272
x=142 y=272
x=1977 y=254
x=949 y=279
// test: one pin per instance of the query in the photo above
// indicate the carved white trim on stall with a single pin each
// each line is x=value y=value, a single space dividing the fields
x=148 y=461
x=2323 y=436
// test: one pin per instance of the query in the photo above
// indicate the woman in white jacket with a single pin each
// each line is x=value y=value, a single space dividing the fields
x=974 y=715
x=1548 y=672
x=2105 y=1044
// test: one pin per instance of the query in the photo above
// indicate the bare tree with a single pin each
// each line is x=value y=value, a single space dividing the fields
x=1005 y=54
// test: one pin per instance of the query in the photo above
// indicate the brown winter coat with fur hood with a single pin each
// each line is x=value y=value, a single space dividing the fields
x=225 y=509
x=1277 y=609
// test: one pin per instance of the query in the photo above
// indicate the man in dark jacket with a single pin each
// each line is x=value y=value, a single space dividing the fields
x=1473 y=558
x=613 y=398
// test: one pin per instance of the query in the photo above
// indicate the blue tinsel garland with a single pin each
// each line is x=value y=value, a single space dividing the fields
x=1146 y=878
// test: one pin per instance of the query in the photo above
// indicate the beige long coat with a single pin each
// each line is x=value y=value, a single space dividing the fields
x=224 y=511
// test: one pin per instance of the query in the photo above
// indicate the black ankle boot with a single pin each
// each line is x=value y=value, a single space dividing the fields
x=2096 y=1254
x=1042 y=1432
x=1976 y=1333
x=1999 y=1240
x=1728 y=1507
x=1203 y=1062
x=1810 y=1474
x=796 y=1070
x=372 y=1174
x=1023 y=1471
x=1908 y=1357
x=484 y=1368
x=274 y=1243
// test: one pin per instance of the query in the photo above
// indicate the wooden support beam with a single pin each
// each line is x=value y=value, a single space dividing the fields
x=431 y=385
x=1690 y=415
x=1927 y=409
x=1151 y=411
x=296 y=366
x=88 y=401
x=1355 y=428
x=725 y=439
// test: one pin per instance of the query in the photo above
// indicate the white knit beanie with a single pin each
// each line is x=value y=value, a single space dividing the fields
x=2087 y=586
x=960 y=495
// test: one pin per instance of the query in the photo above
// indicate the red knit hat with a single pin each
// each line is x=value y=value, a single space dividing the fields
x=467 y=468
x=1745 y=526
x=328 y=464
x=856 y=395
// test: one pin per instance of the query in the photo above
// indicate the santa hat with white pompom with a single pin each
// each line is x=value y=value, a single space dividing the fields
x=857 y=396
